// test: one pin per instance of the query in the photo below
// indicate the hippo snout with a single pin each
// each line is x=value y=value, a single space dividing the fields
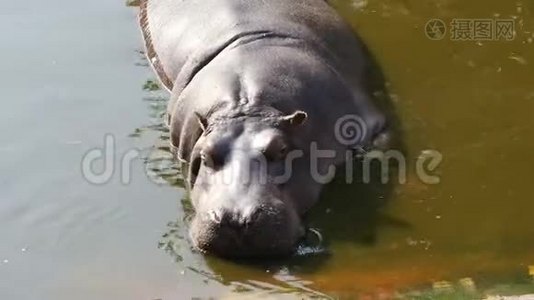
x=258 y=232
x=235 y=220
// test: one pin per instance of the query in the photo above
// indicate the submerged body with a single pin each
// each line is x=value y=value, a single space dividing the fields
x=253 y=82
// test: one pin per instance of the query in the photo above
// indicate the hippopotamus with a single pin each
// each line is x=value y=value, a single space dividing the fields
x=257 y=88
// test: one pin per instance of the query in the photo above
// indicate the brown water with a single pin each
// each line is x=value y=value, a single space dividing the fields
x=72 y=74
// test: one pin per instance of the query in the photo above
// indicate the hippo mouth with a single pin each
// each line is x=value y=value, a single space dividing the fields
x=281 y=240
x=310 y=244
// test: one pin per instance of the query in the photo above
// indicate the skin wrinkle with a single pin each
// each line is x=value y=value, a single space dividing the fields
x=195 y=65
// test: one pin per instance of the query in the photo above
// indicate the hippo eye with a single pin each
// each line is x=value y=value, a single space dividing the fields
x=284 y=150
x=276 y=151
x=203 y=156
x=206 y=159
x=210 y=160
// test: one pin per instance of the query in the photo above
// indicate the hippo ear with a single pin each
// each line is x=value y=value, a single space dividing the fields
x=297 y=118
x=201 y=121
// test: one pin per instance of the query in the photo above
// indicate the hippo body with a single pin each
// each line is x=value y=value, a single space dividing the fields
x=254 y=80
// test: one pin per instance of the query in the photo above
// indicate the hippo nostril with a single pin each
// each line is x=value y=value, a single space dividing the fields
x=215 y=217
x=252 y=218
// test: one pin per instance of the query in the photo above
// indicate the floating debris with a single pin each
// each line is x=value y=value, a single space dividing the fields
x=151 y=85
x=443 y=287
x=360 y=4
x=133 y=3
x=425 y=244
x=521 y=60
x=524 y=297
x=468 y=284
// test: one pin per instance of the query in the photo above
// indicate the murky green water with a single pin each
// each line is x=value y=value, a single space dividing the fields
x=72 y=74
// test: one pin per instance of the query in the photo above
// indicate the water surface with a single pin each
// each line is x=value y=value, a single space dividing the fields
x=73 y=74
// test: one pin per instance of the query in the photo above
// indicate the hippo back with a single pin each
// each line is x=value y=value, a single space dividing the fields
x=182 y=36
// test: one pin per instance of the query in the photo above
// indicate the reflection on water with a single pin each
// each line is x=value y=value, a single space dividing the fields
x=160 y=166
x=473 y=102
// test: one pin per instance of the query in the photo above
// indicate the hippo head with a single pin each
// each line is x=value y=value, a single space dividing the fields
x=240 y=180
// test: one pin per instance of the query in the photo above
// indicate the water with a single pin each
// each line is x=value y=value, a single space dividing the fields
x=73 y=73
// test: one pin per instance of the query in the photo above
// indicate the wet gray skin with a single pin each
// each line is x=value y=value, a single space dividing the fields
x=245 y=206
x=71 y=77
x=276 y=82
